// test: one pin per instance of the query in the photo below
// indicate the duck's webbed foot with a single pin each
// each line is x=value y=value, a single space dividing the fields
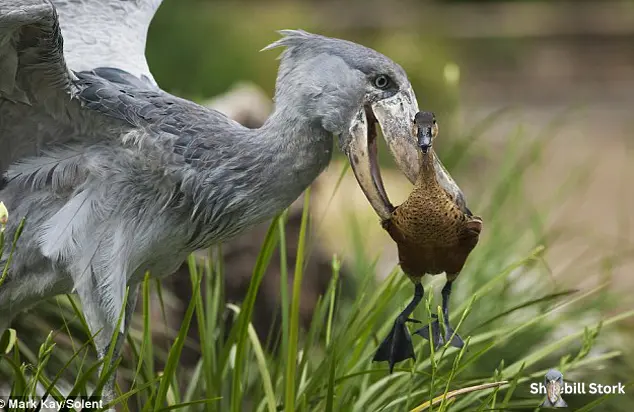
x=436 y=337
x=397 y=346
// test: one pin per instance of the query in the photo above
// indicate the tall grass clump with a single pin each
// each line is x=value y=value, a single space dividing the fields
x=516 y=320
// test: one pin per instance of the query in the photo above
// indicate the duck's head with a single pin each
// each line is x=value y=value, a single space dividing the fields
x=426 y=129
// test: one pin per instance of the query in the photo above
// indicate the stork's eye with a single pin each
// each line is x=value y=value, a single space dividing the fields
x=382 y=82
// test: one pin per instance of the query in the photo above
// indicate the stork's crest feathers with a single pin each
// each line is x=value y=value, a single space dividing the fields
x=292 y=39
x=301 y=46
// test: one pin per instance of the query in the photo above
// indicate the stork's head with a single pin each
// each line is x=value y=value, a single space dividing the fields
x=347 y=89
x=554 y=382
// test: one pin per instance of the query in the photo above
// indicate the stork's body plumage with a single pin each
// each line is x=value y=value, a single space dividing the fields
x=117 y=177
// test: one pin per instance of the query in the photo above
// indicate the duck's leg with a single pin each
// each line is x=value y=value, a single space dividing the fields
x=436 y=338
x=397 y=346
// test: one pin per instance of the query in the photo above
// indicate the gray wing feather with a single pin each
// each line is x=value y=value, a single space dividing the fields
x=173 y=125
x=34 y=79
x=32 y=66
x=40 y=42
x=107 y=33
x=61 y=169
x=61 y=234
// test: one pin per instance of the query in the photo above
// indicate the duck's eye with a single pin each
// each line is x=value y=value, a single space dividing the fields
x=382 y=82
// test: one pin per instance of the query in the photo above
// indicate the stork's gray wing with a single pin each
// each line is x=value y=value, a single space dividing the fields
x=42 y=44
x=32 y=66
x=33 y=72
x=106 y=33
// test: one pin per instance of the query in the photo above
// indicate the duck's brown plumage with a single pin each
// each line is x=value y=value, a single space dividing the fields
x=433 y=233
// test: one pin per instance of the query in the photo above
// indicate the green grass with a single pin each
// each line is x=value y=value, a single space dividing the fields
x=336 y=374
x=516 y=321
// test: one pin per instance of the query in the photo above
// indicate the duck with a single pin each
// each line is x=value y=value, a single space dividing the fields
x=434 y=232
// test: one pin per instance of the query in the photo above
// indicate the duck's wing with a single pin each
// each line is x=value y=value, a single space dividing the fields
x=42 y=44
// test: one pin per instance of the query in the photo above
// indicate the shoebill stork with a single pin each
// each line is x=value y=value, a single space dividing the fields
x=117 y=177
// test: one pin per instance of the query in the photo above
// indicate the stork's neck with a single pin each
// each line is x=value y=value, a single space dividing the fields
x=286 y=154
x=260 y=175
x=250 y=175
x=301 y=149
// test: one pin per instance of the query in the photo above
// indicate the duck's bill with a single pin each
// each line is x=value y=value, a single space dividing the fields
x=395 y=116
x=424 y=139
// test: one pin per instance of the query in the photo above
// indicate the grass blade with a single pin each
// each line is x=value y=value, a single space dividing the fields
x=453 y=394
x=241 y=330
x=291 y=362
x=175 y=351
